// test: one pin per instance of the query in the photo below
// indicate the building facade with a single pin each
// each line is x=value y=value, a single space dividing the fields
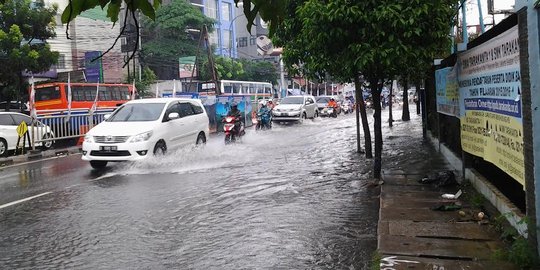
x=90 y=32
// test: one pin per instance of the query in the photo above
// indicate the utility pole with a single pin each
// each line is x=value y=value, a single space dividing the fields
x=464 y=18
x=211 y=60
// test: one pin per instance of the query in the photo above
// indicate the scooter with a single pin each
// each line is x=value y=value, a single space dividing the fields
x=332 y=112
x=264 y=121
x=231 y=134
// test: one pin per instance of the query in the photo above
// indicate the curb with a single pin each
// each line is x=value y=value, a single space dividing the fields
x=32 y=155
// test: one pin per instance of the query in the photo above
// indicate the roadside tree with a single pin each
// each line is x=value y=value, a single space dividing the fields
x=24 y=28
x=378 y=38
x=173 y=34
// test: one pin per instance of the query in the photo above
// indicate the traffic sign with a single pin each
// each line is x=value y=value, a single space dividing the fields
x=22 y=129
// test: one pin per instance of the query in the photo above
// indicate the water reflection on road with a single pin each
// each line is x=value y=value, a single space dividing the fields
x=294 y=197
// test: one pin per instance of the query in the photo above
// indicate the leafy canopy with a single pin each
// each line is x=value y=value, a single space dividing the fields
x=270 y=10
x=171 y=35
x=23 y=29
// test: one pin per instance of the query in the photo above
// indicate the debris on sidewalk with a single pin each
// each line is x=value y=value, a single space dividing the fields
x=452 y=196
x=440 y=179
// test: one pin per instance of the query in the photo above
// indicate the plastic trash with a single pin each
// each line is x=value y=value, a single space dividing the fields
x=452 y=196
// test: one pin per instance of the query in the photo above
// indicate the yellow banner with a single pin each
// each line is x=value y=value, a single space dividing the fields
x=497 y=138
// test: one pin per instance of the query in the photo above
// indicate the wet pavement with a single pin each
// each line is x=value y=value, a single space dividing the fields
x=411 y=234
x=295 y=197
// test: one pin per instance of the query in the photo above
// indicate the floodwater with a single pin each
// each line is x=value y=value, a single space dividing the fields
x=295 y=197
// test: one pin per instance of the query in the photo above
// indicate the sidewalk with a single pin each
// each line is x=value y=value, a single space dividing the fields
x=413 y=236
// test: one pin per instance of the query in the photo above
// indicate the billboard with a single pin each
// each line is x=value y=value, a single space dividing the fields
x=186 y=67
x=490 y=103
x=93 y=69
x=446 y=88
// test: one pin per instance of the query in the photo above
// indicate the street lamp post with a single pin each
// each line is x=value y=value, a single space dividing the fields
x=231 y=35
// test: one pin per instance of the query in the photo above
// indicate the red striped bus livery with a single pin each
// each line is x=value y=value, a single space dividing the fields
x=51 y=98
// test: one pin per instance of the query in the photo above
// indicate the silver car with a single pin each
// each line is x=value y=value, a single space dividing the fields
x=295 y=108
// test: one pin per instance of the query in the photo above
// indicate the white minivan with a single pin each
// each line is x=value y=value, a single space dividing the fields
x=295 y=108
x=145 y=127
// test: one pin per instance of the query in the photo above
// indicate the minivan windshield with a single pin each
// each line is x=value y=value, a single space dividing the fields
x=292 y=100
x=137 y=112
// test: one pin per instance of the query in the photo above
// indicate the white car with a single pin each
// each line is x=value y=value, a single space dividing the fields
x=9 y=121
x=145 y=127
x=295 y=108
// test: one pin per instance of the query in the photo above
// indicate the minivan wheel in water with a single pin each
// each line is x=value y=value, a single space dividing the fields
x=201 y=139
x=98 y=164
x=160 y=148
x=3 y=148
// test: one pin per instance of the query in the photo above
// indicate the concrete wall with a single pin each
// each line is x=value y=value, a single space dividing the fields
x=532 y=85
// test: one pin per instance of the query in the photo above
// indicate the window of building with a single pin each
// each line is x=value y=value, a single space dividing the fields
x=227 y=39
x=213 y=9
x=252 y=40
x=226 y=11
x=242 y=42
x=214 y=37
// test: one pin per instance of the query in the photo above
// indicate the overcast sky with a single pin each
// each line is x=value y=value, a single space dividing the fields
x=472 y=11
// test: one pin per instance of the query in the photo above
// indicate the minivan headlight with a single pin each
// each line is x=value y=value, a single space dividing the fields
x=141 y=137
x=88 y=138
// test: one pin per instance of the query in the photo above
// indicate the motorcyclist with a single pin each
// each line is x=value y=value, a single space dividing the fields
x=237 y=114
x=332 y=103
x=264 y=110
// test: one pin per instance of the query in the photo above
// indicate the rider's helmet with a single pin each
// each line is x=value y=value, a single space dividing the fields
x=234 y=106
x=332 y=99
x=263 y=103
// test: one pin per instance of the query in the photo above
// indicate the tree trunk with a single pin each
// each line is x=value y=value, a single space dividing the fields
x=376 y=94
x=417 y=85
x=405 y=116
x=361 y=108
x=390 y=104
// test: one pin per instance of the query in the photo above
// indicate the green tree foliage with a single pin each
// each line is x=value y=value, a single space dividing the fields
x=271 y=11
x=259 y=71
x=143 y=86
x=171 y=35
x=241 y=70
x=24 y=27
x=226 y=68
x=378 y=38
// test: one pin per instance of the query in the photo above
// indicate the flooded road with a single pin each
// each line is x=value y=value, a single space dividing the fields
x=295 y=197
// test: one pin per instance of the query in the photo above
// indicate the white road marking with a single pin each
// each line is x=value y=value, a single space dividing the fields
x=36 y=161
x=23 y=200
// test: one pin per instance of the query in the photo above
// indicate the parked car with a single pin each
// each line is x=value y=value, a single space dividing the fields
x=9 y=121
x=322 y=101
x=145 y=127
x=295 y=108
x=15 y=106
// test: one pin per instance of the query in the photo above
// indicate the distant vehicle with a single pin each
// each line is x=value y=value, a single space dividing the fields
x=9 y=121
x=15 y=106
x=295 y=108
x=322 y=101
x=51 y=98
x=144 y=127
x=255 y=90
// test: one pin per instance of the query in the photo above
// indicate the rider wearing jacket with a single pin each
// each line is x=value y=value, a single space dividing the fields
x=332 y=103
x=237 y=114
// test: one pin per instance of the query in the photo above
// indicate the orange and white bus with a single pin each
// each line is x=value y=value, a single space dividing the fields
x=51 y=98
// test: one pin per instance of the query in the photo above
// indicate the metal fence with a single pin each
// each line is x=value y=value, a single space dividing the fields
x=60 y=127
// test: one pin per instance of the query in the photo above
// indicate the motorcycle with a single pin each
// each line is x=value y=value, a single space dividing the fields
x=264 y=120
x=231 y=134
x=332 y=112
